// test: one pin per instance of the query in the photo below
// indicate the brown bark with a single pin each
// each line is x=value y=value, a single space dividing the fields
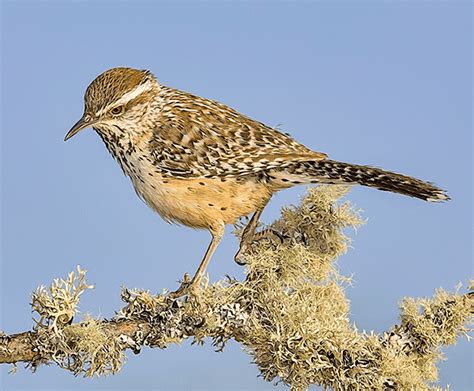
x=20 y=347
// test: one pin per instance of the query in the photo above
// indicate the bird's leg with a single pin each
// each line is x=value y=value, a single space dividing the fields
x=247 y=237
x=269 y=233
x=194 y=285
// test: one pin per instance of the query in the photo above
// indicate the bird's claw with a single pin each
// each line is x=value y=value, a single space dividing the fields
x=187 y=287
x=246 y=243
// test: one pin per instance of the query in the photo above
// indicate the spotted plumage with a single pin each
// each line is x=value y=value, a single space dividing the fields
x=197 y=137
x=202 y=164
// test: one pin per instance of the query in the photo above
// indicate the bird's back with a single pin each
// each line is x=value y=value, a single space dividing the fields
x=198 y=137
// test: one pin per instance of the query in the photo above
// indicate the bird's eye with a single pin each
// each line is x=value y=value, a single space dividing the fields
x=117 y=110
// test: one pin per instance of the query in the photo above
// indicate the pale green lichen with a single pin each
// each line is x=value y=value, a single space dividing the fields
x=58 y=304
x=290 y=314
x=83 y=347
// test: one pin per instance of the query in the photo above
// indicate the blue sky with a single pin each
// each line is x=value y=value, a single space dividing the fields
x=381 y=83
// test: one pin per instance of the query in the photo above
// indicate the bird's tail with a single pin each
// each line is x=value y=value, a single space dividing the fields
x=330 y=171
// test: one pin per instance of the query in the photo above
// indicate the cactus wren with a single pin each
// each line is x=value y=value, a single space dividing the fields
x=202 y=164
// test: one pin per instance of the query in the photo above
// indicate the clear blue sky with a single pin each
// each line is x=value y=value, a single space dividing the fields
x=381 y=83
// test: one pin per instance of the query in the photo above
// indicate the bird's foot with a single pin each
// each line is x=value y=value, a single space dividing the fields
x=188 y=287
x=246 y=242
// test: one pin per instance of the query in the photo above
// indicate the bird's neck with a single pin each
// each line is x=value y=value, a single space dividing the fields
x=121 y=144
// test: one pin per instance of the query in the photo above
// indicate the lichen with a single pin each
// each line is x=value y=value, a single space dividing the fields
x=290 y=314
x=83 y=347
x=57 y=305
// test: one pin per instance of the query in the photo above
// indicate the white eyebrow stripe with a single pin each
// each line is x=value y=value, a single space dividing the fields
x=127 y=97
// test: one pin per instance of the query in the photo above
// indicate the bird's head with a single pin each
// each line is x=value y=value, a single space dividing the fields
x=118 y=97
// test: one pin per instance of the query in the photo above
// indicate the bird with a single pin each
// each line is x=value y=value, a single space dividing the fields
x=202 y=164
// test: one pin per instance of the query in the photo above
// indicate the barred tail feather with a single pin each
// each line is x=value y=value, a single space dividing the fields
x=330 y=171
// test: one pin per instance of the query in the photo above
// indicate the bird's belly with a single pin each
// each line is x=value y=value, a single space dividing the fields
x=202 y=202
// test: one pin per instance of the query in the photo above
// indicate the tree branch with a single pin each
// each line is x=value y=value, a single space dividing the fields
x=290 y=314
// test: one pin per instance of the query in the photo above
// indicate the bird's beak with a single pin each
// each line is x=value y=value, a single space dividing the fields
x=83 y=123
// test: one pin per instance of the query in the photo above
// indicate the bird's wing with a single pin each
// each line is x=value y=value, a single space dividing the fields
x=196 y=137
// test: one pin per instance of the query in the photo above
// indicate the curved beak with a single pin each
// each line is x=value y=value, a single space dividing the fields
x=83 y=123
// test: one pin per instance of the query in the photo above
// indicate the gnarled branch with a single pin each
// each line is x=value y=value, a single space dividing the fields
x=290 y=314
